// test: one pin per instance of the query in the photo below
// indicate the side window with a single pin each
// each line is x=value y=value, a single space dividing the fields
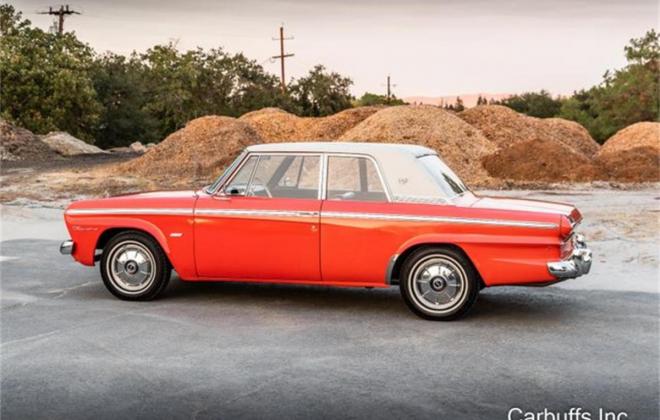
x=286 y=176
x=354 y=178
x=238 y=185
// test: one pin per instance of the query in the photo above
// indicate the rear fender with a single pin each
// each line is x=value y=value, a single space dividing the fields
x=499 y=259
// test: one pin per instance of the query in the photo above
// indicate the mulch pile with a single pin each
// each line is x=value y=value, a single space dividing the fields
x=542 y=160
x=199 y=151
x=534 y=149
x=276 y=125
x=18 y=143
x=460 y=145
x=633 y=153
x=486 y=145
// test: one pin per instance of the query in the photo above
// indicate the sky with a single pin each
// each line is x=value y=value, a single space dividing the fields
x=430 y=48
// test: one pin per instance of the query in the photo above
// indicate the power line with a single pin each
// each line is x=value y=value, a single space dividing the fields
x=282 y=55
x=60 y=13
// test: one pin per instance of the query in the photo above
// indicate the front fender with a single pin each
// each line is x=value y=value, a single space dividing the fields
x=86 y=231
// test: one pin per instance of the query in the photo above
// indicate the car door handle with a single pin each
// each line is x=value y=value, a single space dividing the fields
x=308 y=213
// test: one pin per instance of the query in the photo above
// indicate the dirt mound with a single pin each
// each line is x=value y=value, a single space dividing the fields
x=571 y=134
x=67 y=145
x=540 y=160
x=198 y=151
x=275 y=125
x=333 y=126
x=633 y=153
x=262 y=111
x=18 y=143
x=460 y=145
x=506 y=127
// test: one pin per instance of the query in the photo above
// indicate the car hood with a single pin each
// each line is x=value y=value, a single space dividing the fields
x=157 y=194
x=146 y=200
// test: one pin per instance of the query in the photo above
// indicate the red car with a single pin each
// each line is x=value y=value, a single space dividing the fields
x=340 y=214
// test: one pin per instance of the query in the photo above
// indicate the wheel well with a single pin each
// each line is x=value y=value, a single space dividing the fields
x=396 y=270
x=112 y=232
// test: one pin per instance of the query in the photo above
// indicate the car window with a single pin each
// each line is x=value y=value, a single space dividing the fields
x=238 y=185
x=286 y=176
x=354 y=178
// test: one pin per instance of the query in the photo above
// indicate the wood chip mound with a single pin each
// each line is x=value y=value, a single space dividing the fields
x=507 y=127
x=633 y=153
x=276 y=125
x=460 y=145
x=541 y=160
x=197 y=152
x=18 y=143
x=66 y=145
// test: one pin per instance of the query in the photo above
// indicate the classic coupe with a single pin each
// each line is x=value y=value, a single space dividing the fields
x=332 y=214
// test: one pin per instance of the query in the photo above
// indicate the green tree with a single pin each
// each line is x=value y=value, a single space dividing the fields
x=536 y=104
x=370 y=99
x=254 y=88
x=45 y=78
x=625 y=96
x=321 y=93
x=181 y=86
x=119 y=84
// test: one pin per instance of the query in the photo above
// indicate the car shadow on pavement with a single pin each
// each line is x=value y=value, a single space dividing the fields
x=501 y=303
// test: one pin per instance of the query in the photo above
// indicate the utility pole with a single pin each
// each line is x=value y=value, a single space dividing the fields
x=282 y=55
x=389 y=89
x=60 y=13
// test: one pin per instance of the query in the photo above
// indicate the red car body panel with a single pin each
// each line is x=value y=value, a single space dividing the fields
x=210 y=237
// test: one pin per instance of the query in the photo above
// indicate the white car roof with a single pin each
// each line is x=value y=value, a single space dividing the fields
x=373 y=149
x=405 y=177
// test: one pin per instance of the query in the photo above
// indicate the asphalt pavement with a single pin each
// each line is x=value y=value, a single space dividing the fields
x=70 y=350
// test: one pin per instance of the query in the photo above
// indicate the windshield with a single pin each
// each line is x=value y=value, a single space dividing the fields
x=449 y=184
x=213 y=187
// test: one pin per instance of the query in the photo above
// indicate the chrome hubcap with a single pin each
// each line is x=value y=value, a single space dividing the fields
x=131 y=267
x=438 y=283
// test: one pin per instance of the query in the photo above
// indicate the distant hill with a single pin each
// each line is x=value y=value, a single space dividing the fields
x=469 y=99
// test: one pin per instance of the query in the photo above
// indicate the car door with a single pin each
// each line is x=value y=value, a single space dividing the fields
x=355 y=249
x=264 y=223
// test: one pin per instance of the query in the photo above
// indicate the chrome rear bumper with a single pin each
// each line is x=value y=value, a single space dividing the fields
x=66 y=247
x=578 y=264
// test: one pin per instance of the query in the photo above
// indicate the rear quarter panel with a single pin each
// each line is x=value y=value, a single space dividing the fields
x=355 y=249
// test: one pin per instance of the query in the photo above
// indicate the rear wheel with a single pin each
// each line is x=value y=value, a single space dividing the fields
x=134 y=267
x=439 y=283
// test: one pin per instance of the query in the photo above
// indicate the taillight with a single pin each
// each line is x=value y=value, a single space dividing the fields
x=565 y=227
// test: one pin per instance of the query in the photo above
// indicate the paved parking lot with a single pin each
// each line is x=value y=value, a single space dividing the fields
x=70 y=350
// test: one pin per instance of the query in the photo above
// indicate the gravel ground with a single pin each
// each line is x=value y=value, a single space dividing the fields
x=70 y=350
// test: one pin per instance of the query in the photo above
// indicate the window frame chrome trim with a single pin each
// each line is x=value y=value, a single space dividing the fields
x=383 y=183
x=220 y=189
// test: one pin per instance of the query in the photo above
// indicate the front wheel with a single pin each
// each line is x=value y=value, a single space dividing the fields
x=134 y=267
x=439 y=283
